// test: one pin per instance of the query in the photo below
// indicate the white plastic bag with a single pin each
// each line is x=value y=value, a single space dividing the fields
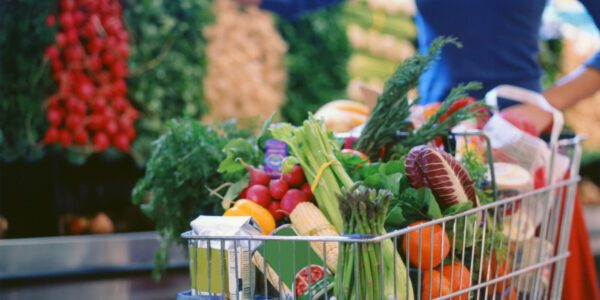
x=512 y=145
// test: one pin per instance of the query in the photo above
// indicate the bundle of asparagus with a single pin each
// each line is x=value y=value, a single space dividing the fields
x=364 y=212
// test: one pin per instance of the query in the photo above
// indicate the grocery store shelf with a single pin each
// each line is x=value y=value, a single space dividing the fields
x=81 y=255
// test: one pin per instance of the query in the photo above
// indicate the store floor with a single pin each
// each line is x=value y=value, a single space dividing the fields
x=130 y=286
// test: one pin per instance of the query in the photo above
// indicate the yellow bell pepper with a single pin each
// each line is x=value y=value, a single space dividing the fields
x=262 y=216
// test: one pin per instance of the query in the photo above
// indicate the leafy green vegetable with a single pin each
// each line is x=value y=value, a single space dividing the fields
x=182 y=167
x=24 y=77
x=316 y=61
x=167 y=64
x=238 y=150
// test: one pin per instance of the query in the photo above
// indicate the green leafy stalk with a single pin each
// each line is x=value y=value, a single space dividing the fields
x=393 y=106
x=310 y=145
x=433 y=127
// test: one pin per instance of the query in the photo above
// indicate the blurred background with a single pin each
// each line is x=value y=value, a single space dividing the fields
x=68 y=225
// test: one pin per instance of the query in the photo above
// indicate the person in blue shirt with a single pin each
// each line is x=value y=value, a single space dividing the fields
x=501 y=46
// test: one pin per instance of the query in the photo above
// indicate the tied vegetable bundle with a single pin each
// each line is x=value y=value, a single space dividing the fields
x=364 y=212
x=312 y=148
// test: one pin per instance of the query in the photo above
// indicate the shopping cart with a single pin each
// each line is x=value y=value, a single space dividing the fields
x=531 y=267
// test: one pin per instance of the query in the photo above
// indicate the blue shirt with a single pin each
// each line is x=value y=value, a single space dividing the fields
x=500 y=41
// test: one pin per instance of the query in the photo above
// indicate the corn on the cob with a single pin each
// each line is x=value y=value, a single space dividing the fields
x=307 y=219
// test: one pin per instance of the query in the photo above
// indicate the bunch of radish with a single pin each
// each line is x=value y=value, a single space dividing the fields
x=89 y=65
x=280 y=196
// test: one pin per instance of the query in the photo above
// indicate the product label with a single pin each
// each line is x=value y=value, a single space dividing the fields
x=275 y=153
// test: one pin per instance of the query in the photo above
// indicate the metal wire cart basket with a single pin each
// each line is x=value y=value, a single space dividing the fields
x=285 y=265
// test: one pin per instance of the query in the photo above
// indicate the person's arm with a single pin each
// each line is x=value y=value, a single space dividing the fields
x=580 y=84
x=291 y=9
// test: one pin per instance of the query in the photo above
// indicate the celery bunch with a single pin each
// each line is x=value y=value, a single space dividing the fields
x=312 y=148
x=364 y=273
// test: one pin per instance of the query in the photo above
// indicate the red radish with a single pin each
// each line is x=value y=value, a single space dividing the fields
x=121 y=142
x=66 y=20
x=54 y=116
x=50 y=20
x=257 y=176
x=64 y=138
x=81 y=137
x=306 y=190
x=67 y=5
x=79 y=17
x=259 y=194
x=278 y=188
x=51 y=135
x=295 y=178
x=74 y=122
x=99 y=103
x=130 y=132
x=72 y=36
x=61 y=39
x=291 y=199
x=112 y=127
x=51 y=52
x=275 y=210
x=95 y=45
x=85 y=90
x=120 y=88
x=243 y=193
x=97 y=121
x=101 y=142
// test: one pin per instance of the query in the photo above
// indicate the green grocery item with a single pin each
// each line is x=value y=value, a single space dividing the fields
x=290 y=264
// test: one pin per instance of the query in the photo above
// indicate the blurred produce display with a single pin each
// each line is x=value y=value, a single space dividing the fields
x=89 y=111
x=167 y=63
x=245 y=71
x=24 y=77
x=316 y=61
x=382 y=34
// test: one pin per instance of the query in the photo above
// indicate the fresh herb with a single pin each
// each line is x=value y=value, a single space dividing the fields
x=364 y=211
x=390 y=115
x=434 y=127
x=182 y=167
x=393 y=106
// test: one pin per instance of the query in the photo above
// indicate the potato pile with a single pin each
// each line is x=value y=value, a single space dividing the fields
x=245 y=69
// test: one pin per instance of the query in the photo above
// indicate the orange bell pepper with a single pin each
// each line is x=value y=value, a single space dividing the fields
x=261 y=215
